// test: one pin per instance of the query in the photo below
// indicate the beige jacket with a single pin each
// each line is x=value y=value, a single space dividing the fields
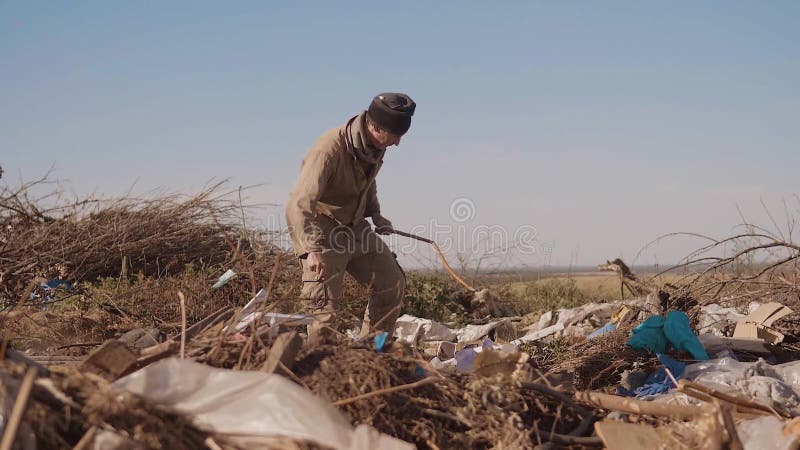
x=333 y=189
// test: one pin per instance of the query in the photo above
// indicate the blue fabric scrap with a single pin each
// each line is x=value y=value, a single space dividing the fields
x=657 y=382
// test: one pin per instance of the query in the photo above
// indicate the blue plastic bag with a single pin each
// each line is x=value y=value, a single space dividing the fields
x=649 y=335
x=681 y=336
x=658 y=333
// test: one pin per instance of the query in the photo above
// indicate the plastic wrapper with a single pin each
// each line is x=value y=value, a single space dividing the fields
x=539 y=334
x=251 y=312
x=714 y=318
x=472 y=333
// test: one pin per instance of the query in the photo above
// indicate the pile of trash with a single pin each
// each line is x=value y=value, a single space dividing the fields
x=646 y=370
x=117 y=334
x=244 y=379
x=625 y=374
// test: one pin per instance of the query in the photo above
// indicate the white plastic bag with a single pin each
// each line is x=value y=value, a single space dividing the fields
x=251 y=408
x=409 y=329
x=765 y=433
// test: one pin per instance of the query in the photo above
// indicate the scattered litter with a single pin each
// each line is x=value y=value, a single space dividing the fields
x=775 y=385
x=110 y=360
x=251 y=380
x=438 y=364
x=756 y=324
x=224 y=278
x=715 y=319
x=45 y=291
x=250 y=313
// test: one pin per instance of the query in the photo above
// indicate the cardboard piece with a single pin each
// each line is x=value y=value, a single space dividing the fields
x=493 y=362
x=110 y=360
x=446 y=350
x=756 y=324
x=628 y=436
x=716 y=344
x=623 y=313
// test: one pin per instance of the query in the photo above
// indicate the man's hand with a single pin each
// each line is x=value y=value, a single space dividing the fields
x=314 y=261
x=382 y=224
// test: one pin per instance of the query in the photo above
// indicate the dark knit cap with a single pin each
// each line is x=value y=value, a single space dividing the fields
x=392 y=112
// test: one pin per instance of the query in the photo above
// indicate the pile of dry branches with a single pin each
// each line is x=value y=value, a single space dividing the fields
x=756 y=264
x=87 y=239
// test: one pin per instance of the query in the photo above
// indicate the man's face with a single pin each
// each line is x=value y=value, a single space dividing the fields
x=383 y=139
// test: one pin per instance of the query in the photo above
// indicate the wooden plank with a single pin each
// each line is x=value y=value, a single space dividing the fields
x=282 y=353
x=635 y=406
x=152 y=354
x=628 y=436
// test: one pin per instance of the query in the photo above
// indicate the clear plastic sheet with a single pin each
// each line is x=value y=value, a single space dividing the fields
x=773 y=385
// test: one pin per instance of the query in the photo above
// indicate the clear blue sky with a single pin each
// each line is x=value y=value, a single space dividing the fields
x=602 y=124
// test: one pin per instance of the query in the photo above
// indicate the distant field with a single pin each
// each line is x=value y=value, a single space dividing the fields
x=592 y=284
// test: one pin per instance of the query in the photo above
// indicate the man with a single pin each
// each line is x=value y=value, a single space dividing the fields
x=326 y=213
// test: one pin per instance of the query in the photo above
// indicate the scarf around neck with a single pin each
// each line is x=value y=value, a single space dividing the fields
x=357 y=141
